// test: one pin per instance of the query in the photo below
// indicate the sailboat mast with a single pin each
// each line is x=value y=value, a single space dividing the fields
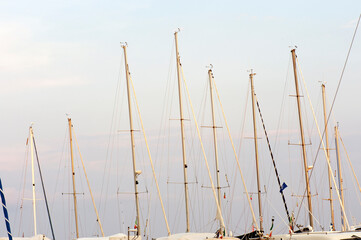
x=33 y=176
x=328 y=156
x=210 y=76
x=73 y=177
x=135 y=172
x=293 y=51
x=340 y=180
x=182 y=130
x=256 y=151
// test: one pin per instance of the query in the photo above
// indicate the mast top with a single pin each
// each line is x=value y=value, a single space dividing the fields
x=210 y=66
x=251 y=72
x=293 y=48
x=123 y=44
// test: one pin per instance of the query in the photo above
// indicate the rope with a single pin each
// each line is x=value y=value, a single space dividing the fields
x=244 y=118
x=241 y=133
x=235 y=155
x=273 y=161
x=273 y=207
x=203 y=151
x=23 y=189
x=323 y=146
x=87 y=180
x=332 y=105
x=349 y=161
x=150 y=156
x=111 y=140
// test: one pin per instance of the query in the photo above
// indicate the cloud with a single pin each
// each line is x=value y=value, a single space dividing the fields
x=45 y=83
x=12 y=195
x=282 y=132
x=350 y=24
x=30 y=63
x=16 y=45
x=11 y=160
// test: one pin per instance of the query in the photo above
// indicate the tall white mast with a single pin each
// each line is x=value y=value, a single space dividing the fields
x=256 y=152
x=211 y=78
x=328 y=156
x=73 y=177
x=293 y=51
x=135 y=172
x=340 y=180
x=33 y=176
x=182 y=131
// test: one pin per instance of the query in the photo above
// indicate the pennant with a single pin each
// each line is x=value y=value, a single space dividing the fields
x=284 y=185
x=273 y=219
x=270 y=234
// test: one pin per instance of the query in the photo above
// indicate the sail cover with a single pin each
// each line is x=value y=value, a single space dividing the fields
x=37 y=237
x=119 y=236
x=188 y=236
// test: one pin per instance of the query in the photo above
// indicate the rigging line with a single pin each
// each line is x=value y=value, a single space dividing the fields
x=273 y=207
x=282 y=104
x=19 y=198
x=150 y=157
x=236 y=157
x=273 y=160
x=166 y=113
x=23 y=192
x=233 y=189
x=191 y=206
x=203 y=151
x=87 y=180
x=202 y=109
x=319 y=147
x=164 y=152
x=244 y=118
x=343 y=70
x=43 y=187
x=111 y=137
x=338 y=85
x=147 y=226
x=116 y=138
x=349 y=160
x=58 y=174
x=313 y=216
x=119 y=211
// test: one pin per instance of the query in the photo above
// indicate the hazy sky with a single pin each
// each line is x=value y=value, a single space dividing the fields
x=64 y=57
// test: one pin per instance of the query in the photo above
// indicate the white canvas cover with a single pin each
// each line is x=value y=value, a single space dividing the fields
x=119 y=236
x=37 y=237
x=319 y=236
x=188 y=236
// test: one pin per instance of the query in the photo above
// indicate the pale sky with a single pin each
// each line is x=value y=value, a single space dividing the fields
x=64 y=57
